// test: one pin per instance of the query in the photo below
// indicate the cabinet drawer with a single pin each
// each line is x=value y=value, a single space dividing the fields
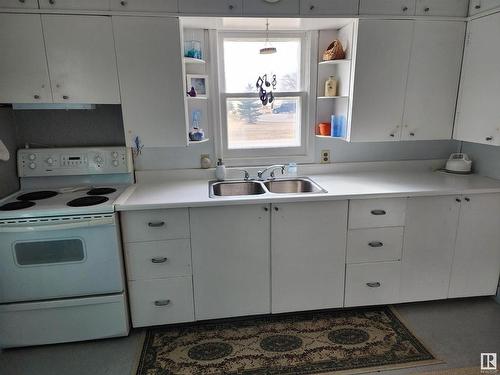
x=158 y=259
x=161 y=301
x=155 y=225
x=372 y=283
x=374 y=213
x=332 y=7
x=145 y=5
x=387 y=7
x=75 y=4
x=448 y=8
x=28 y=4
x=261 y=7
x=374 y=245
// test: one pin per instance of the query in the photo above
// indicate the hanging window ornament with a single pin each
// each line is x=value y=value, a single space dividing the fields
x=266 y=88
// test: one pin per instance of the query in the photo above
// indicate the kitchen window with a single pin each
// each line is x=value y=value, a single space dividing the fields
x=250 y=129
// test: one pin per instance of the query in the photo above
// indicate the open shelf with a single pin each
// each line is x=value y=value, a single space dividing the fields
x=334 y=62
x=333 y=97
x=196 y=142
x=196 y=98
x=329 y=137
x=190 y=60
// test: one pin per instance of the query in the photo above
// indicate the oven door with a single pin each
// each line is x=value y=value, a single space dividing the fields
x=62 y=257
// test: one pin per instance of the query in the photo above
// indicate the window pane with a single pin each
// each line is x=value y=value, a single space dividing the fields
x=251 y=125
x=243 y=64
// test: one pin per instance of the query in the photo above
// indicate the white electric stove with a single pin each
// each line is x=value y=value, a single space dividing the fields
x=61 y=266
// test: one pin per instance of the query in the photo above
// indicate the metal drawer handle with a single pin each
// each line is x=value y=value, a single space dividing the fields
x=378 y=212
x=376 y=244
x=162 y=302
x=373 y=285
x=158 y=260
x=156 y=224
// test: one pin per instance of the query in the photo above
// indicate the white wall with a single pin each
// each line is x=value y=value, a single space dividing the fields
x=486 y=159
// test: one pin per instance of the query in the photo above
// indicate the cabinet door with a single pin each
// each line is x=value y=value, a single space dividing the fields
x=478 y=6
x=383 y=55
x=75 y=4
x=15 y=4
x=151 y=80
x=331 y=7
x=216 y=7
x=449 y=8
x=429 y=241
x=387 y=7
x=427 y=116
x=231 y=260
x=478 y=112
x=24 y=77
x=145 y=5
x=264 y=8
x=82 y=60
x=476 y=263
x=308 y=246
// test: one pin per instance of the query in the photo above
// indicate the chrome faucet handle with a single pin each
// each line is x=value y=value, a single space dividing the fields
x=273 y=174
x=246 y=174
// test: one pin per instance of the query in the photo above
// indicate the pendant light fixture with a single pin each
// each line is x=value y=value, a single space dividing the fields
x=268 y=49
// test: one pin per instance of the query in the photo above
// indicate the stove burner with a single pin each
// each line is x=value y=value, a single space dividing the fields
x=87 y=201
x=19 y=205
x=37 y=195
x=101 y=191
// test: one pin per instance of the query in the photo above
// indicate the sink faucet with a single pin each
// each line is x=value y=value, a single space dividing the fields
x=272 y=168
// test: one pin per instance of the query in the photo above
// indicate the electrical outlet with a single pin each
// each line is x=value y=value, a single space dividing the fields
x=325 y=156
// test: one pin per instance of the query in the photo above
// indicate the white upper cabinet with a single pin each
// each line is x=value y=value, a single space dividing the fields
x=231 y=260
x=387 y=7
x=429 y=117
x=429 y=241
x=446 y=8
x=81 y=58
x=145 y=5
x=383 y=55
x=24 y=76
x=478 y=112
x=216 y=7
x=478 y=6
x=330 y=7
x=149 y=56
x=75 y=4
x=308 y=242
x=268 y=7
x=15 y=4
x=476 y=264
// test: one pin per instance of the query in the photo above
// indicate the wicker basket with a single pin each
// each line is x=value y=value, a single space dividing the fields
x=334 y=51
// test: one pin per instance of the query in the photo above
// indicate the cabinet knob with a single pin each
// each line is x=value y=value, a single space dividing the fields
x=266 y=209
x=373 y=285
x=22 y=1
x=467 y=199
x=458 y=200
x=231 y=7
x=276 y=209
x=378 y=212
x=52 y=2
x=426 y=9
x=156 y=224
x=376 y=244
x=158 y=260
x=36 y=96
x=123 y=3
x=405 y=9
x=392 y=135
x=162 y=302
x=311 y=7
x=489 y=138
x=65 y=97
x=412 y=134
x=478 y=6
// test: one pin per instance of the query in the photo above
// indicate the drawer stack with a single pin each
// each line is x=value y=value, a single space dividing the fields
x=374 y=250
x=158 y=261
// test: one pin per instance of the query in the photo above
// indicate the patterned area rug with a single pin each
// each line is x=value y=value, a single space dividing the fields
x=305 y=343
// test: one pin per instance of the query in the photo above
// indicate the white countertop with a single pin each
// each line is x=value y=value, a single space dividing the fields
x=342 y=185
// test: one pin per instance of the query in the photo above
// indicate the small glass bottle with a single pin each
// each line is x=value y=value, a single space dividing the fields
x=331 y=86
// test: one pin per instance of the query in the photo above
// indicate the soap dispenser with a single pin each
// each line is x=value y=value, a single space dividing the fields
x=220 y=171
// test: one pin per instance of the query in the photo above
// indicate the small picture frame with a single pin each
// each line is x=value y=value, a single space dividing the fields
x=200 y=84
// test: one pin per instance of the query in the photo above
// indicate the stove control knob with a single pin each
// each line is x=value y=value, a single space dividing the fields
x=98 y=159
x=32 y=156
x=32 y=165
x=115 y=155
x=115 y=163
x=49 y=161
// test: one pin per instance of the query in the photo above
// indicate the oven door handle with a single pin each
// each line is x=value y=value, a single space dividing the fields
x=62 y=226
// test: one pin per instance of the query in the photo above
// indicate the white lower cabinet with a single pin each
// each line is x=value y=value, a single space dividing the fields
x=431 y=227
x=372 y=283
x=161 y=301
x=308 y=242
x=476 y=262
x=231 y=260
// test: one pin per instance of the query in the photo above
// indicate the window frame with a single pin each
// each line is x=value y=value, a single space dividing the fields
x=259 y=156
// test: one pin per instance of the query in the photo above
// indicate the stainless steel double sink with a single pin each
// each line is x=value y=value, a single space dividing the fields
x=301 y=185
